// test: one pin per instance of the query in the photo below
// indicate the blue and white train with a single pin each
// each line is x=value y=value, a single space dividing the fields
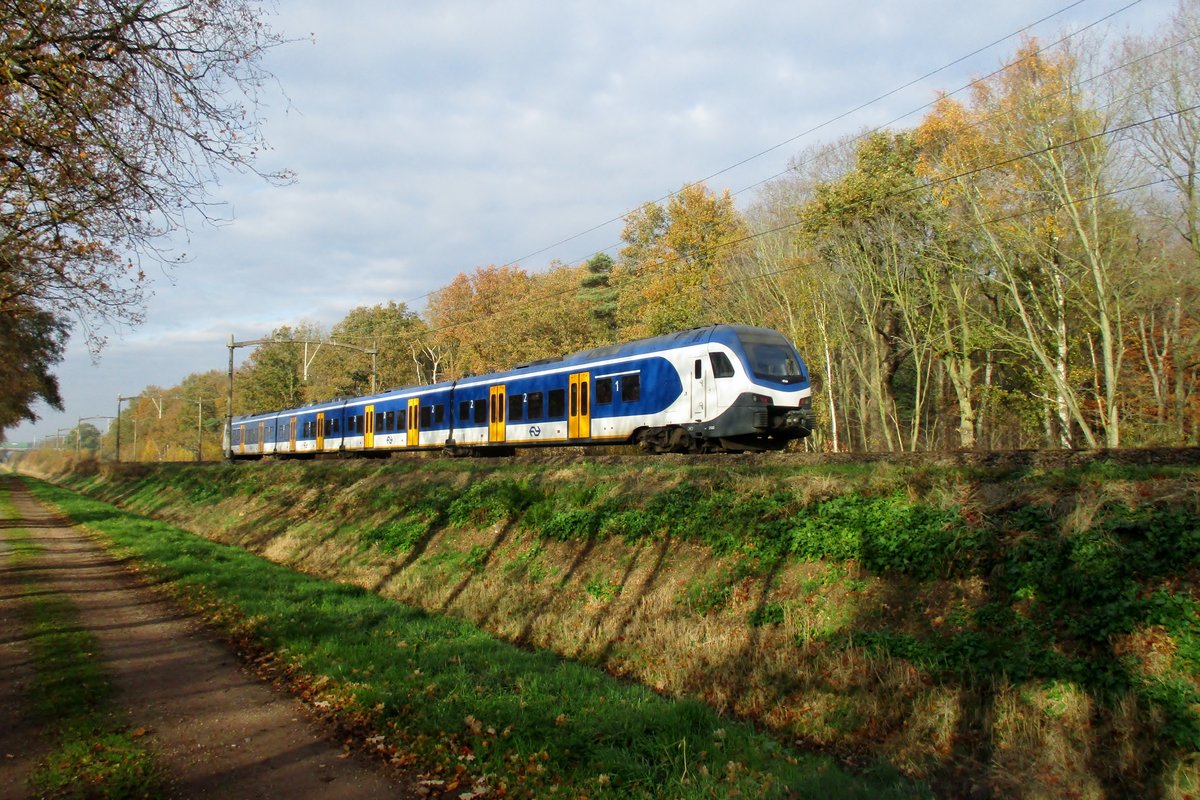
x=722 y=387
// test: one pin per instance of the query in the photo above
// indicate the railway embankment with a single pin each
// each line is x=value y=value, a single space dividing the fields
x=996 y=628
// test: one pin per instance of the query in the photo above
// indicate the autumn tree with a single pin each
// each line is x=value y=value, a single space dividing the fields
x=477 y=318
x=1036 y=177
x=672 y=258
x=390 y=329
x=1161 y=84
x=84 y=437
x=198 y=417
x=118 y=117
x=178 y=423
x=556 y=324
x=498 y=317
x=273 y=377
x=870 y=230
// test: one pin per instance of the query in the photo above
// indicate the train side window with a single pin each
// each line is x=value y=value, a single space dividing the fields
x=464 y=410
x=337 y=425
x=516 y=407
x=439 y=414
x=426 y=417
x=720 y=365
x=557 y=404
x=480 y=412
x=604 y=391
x=389 y=421
x=699 y=369
x=402 y=420
x=631 y=388
x=534 y=405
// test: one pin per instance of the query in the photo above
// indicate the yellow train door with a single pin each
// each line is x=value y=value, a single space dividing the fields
x=414 y=420
x=292 y=436
x=320 y=430
x=496 y=414
x=262 y=439
x=579 y=410
x=369 y=427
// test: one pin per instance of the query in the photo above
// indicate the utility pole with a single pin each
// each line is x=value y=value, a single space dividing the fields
x=120 y=400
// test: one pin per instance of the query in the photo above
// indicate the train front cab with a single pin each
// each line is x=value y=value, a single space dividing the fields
x=774 y=403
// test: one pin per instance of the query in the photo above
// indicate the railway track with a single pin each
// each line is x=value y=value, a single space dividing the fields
x=984 y=459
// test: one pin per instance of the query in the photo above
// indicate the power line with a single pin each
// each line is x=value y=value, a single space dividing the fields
x=860 y=107
x=923 y=107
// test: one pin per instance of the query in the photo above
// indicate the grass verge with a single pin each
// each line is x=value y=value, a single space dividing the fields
x=95 y=755
x=470 y=713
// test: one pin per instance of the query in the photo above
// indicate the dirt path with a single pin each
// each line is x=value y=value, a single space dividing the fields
x=215 y=729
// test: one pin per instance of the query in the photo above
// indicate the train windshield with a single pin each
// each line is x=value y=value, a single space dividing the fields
x=772 y=357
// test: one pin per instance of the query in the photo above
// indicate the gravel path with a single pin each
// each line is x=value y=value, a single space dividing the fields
x=215 y=729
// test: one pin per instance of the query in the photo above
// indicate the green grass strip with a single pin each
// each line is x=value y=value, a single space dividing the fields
x=94 y=754
x=466 y=708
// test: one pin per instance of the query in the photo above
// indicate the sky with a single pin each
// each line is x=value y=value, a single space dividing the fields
x=429 y=139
